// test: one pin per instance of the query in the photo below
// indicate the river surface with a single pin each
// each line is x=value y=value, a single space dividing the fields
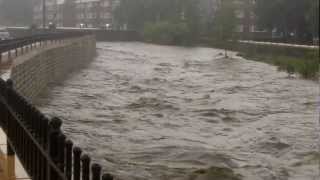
x=150 y=112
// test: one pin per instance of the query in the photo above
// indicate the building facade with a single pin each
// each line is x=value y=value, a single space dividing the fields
x=77 y=13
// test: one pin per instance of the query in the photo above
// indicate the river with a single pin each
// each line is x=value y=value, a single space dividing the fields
x=150 y=112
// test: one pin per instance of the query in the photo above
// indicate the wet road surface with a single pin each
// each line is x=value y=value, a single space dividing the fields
x=150 y=112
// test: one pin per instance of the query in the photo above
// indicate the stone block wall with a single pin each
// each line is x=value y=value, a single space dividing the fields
x=31 y=73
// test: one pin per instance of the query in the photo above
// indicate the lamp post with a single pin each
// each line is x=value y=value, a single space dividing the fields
x=44 y=14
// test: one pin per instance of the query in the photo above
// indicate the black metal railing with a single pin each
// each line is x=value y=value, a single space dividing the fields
x=43 y=149
x=26 y=43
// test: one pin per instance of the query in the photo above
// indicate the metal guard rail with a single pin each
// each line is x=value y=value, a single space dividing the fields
x=43 y=149
x=14 y=44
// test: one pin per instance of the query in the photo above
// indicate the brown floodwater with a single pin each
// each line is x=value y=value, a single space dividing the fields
x=150 y=112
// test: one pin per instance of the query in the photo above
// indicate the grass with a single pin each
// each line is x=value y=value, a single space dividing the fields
x=307 y=66
x=290 y=59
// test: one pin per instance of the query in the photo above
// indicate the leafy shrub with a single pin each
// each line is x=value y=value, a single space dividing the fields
x=166 y=33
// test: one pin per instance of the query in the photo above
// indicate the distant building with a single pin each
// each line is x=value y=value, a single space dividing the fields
x=95 y=13
x=53 y=10
x=77 y=13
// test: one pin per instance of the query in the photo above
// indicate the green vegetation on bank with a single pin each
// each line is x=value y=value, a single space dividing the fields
x=307 y=66
x=161 y=21
x=182 y=28
x=288 y=20
x=167 y=33
x=290 y=59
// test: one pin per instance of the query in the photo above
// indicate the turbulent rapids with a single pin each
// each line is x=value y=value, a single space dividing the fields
x=150 y=112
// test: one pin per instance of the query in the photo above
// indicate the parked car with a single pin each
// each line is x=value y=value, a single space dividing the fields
x=4 y=34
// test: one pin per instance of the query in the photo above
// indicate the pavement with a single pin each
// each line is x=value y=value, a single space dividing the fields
x=16 y=169
x=280 y=44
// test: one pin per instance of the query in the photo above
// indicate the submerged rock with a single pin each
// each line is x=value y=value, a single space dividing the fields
x=215 y=173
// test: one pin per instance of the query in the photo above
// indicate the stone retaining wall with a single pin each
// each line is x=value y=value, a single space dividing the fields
x=31 y=73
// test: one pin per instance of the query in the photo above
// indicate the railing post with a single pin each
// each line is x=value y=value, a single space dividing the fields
x=85 y=167
x=54 y=131
x=61 y=153
x=10 y=133
x=107 y=177
x=41 y=165
x=2 y=106
x=6 y=96
x=68 y=169
x=9 y=84
x=96 y=172
x=45 y=132
x=76 y=163
x=9 y=55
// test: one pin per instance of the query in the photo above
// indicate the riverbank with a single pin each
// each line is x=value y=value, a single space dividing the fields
x=293 y=60
x=307 y=67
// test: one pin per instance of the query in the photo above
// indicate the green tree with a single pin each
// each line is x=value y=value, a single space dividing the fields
x=163 y=14
x=133 y=13
x=286 y=16
x=225 y=22
x=312 y=17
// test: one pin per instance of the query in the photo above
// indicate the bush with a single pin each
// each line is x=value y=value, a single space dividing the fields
x=167 y=33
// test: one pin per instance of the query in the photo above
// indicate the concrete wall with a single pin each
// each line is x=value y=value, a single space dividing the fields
x=32 y=72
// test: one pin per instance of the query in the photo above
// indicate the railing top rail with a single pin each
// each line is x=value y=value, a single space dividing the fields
x=11 y=44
